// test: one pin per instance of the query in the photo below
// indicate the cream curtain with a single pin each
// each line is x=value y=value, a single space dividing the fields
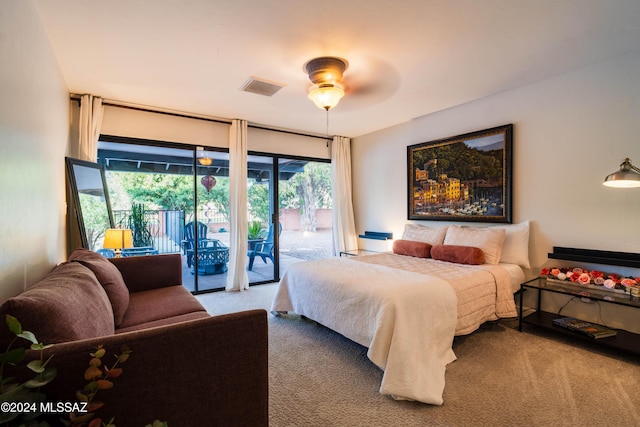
x=344 y=228
x=237 y=278
x=91 y=113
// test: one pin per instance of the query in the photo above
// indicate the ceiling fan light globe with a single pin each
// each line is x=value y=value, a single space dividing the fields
x=326 y=97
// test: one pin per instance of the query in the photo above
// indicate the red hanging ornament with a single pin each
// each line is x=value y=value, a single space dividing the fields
x=209 y=182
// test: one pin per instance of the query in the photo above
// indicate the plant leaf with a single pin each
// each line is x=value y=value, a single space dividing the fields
x=28 y=336
x=14 y=326
x=92 y=387
x=114 y=373
x=42 y=379
x=99 y=353
x=92 y=372
x=40 y=346
x=104 y=384
x=13 y=356
x=36 y=366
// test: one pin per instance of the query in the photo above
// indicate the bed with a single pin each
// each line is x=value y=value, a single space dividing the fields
x=406 y=309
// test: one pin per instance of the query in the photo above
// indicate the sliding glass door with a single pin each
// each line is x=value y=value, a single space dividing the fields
x=176 y=200
x=262 y=220
x=289 y=218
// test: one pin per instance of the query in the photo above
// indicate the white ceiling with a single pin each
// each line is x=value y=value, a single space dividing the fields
x=407 y=58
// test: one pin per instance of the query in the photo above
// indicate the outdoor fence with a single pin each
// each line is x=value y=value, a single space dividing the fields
x=167 y=226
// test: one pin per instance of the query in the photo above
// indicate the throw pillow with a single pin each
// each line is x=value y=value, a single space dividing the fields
x=490 y=240
x=109 y=277
x=68 y=304
x=411 y=248
x=458 y=254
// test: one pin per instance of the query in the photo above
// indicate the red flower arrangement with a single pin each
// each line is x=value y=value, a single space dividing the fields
x=594 y=277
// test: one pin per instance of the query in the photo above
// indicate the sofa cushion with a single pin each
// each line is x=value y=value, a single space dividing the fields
x=67 y=304
x=109 y=277
x=166 y=321
x=160 y=303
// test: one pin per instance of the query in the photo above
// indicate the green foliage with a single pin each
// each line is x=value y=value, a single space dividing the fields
x=308 y=191
x=256 y=230
x=27 y=392
x=99 y=377
x=139 y=225
x=258 y=201
x=95 y=218
x=173 y=192
x=462 y=162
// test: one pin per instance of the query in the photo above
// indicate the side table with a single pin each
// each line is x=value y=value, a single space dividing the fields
x=624 y=340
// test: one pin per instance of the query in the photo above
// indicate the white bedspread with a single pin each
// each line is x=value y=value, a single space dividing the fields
x=406 y=319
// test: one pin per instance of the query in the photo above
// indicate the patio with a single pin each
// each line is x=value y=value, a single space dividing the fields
x=295 y=246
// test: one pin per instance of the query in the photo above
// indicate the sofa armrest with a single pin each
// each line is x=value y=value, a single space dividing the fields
x=211 y=371
x=142 y=273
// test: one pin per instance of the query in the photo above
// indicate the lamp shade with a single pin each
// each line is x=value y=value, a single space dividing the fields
x=118 y=238
x=627 y=177
x=326 y=97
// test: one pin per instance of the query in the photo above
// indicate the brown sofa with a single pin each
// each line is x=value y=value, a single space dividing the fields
x=186 y=368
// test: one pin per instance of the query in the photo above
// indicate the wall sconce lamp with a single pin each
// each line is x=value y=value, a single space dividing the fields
x=627 y=177
x=326 y=75
x=118 y=238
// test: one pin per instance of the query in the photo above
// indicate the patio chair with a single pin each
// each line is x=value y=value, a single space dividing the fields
x=191 y=234
x=263 y=249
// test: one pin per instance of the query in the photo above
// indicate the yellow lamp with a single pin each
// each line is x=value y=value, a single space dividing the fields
x=118 y=238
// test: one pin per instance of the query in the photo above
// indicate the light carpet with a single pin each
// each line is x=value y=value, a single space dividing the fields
x=502 y=377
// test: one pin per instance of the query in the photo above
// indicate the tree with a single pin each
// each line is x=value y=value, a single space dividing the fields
x=308 y=191
x=95 y=218
x=258 y=201
x=173 y=192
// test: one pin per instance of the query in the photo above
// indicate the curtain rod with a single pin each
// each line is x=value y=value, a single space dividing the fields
x=76 y=97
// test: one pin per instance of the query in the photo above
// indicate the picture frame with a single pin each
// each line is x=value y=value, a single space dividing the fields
x=465 y=178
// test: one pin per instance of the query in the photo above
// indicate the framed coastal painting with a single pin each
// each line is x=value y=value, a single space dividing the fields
x=462 y=178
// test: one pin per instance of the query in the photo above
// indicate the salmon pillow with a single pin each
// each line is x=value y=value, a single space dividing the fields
x=411 y=248
x=458 y=254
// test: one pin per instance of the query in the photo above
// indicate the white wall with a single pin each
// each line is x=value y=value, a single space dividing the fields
x=569 y=133
x=34 y=124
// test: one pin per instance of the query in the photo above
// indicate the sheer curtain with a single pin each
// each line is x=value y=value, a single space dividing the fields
x=344 y=228
x=91 y=113
x=237 y=278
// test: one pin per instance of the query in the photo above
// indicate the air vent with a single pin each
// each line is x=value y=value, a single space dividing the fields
x=261 y=86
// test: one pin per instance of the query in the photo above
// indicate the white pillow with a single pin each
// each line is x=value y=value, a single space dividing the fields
x=515 y=249
x=422 y=233
x=490 y=240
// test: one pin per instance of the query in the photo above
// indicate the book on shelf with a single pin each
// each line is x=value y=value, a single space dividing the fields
x=589 y=329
